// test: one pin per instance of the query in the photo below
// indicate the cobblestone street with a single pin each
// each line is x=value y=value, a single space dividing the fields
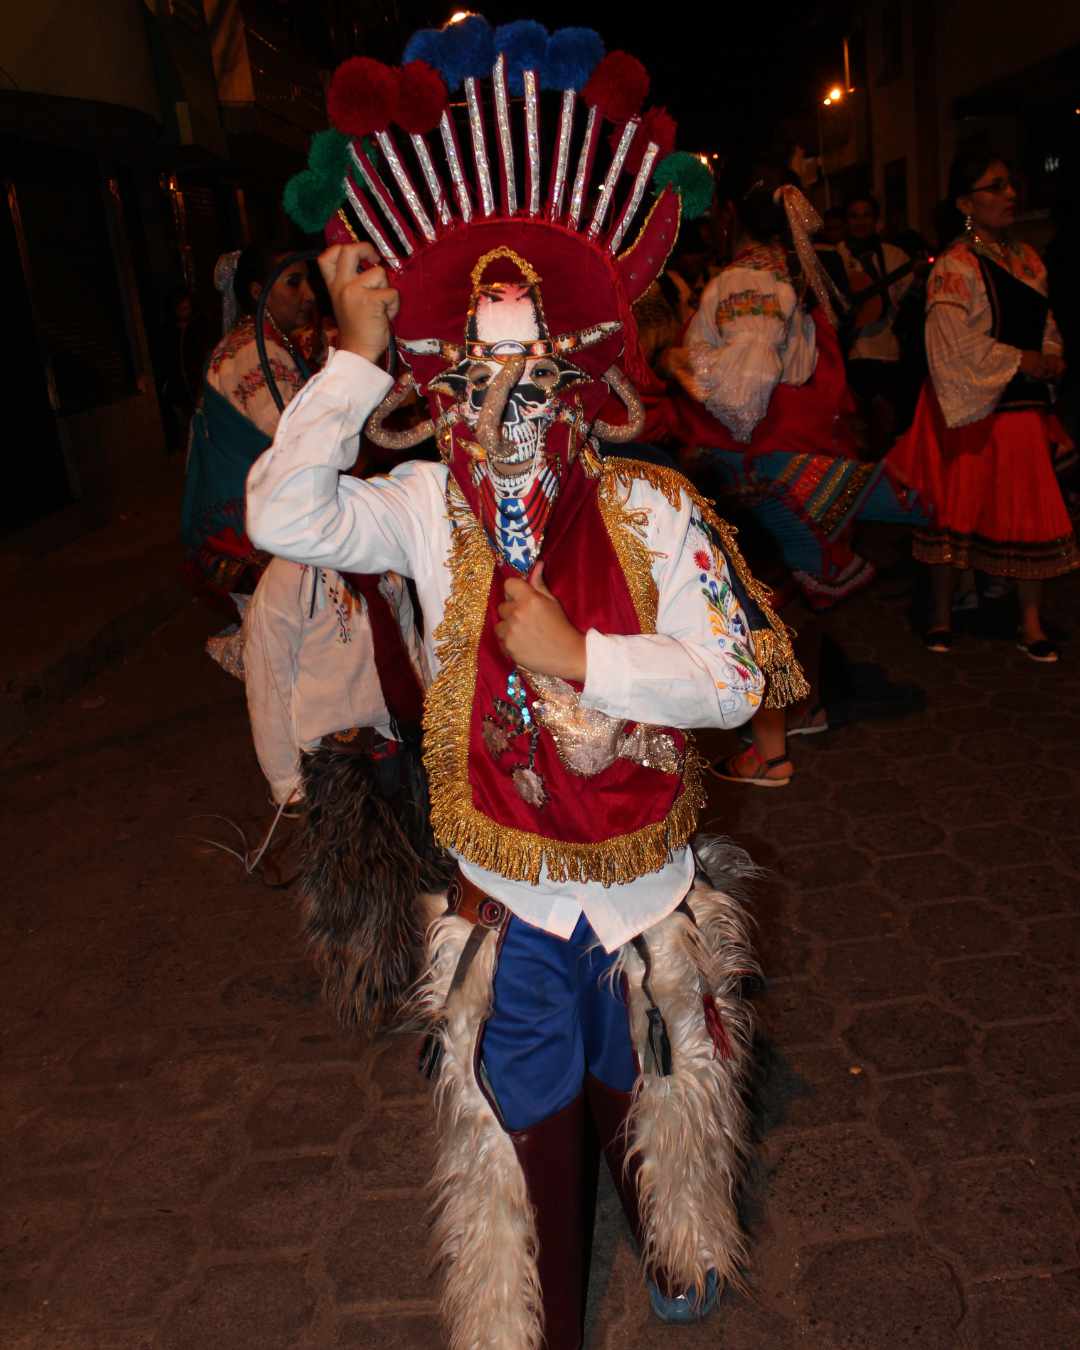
x=195 y=1159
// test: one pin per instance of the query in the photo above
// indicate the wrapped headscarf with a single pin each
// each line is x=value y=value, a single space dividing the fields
x=804 y=221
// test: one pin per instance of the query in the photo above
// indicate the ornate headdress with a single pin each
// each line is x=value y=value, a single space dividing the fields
x=512 y=251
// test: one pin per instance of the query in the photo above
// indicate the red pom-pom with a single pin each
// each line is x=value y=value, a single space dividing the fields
x=657 y=127
x=363 y=96
x=422 y=97
x=617 y=86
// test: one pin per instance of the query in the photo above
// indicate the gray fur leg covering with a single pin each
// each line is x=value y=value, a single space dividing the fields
x=689 y=1130
x=484 y=1232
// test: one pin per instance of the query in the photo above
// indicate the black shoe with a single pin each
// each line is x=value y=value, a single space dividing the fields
x=1042 y=650
x=938 y=640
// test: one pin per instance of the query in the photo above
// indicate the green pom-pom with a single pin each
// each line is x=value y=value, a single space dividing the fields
x=686 y=174
x=311 y=200
x=329 y=155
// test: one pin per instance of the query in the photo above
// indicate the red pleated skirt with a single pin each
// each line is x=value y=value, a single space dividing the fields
x=990 y=490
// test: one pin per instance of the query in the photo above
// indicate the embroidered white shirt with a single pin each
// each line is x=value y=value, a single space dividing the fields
x=750 y=334
x=309 y=667
x=969 y=368
x=697 y=670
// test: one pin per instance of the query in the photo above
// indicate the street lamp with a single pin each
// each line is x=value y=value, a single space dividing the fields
x=833 y=97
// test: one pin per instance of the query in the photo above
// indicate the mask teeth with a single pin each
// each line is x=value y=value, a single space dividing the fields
x=378 y=190
x=584 y=166
x=367 y=220
x=532 y=143
x=405 y=185
x=431 y=177
x=607 y=191
x=479 y=144
x=457 y=173
x=641 y=182
x=505 y=137
x=557 y=190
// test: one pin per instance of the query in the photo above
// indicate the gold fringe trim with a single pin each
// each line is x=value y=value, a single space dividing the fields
x=773 y=649
x=626 y=529
x=520 y=855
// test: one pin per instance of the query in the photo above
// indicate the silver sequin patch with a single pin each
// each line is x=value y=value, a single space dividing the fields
x=588 y=741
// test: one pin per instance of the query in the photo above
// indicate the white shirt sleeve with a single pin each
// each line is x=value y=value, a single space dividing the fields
x=698 y=669
x=300 y=506
x=969 y=369
x=735 y=346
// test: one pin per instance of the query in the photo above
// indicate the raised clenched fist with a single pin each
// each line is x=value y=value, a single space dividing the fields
x=364 y=302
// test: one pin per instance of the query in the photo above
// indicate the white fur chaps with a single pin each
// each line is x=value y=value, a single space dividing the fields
x=688 y=1130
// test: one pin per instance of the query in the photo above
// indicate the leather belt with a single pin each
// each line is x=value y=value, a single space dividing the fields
x=465 y=899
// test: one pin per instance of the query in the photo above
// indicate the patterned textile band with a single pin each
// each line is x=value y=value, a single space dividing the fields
x=998 y=557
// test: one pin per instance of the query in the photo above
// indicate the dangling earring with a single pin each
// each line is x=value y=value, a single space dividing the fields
x=969 y=223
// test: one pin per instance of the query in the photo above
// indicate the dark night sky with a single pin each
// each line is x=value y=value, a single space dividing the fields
x=728 y=73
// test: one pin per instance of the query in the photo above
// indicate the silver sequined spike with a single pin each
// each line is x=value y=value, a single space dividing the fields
x=375 y=186
x=506 y=139
x=431 y=177
x=588 y=150
x=405 y=185
x=641 y=182
x=607 y=191
x=372 y=230
x=532 y=142
x=479 y=142
x=562 y=155
x=453 y=160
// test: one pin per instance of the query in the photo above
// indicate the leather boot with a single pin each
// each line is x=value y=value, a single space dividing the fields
x=609 y=1109
x=553 y=1157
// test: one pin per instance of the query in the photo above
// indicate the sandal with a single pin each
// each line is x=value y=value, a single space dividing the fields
x=1042 y=650
x=727 y=769
x=938 y=640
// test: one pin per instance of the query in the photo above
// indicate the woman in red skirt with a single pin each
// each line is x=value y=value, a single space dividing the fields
x=981 y=450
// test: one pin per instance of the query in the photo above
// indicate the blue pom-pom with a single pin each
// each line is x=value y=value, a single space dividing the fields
x=470 y=51
x=571 y=57
x=524 y=44
x=428 y=45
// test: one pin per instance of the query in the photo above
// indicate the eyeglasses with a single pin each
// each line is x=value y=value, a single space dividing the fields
x=996 y=186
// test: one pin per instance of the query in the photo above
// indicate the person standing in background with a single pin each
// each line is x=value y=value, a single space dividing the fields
x=982 y=448
x=873 y=352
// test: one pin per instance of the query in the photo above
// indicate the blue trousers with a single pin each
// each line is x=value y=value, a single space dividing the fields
x=556 y=1016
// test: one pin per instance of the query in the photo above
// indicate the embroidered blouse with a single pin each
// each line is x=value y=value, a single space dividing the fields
x=235 y=372
x=697 y=669
x=749 y=334
x=969 y=369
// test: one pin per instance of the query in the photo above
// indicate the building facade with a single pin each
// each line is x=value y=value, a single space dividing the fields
x=140 y=139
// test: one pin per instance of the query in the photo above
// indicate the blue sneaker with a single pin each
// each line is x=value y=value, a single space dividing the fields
x=683 y=1309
